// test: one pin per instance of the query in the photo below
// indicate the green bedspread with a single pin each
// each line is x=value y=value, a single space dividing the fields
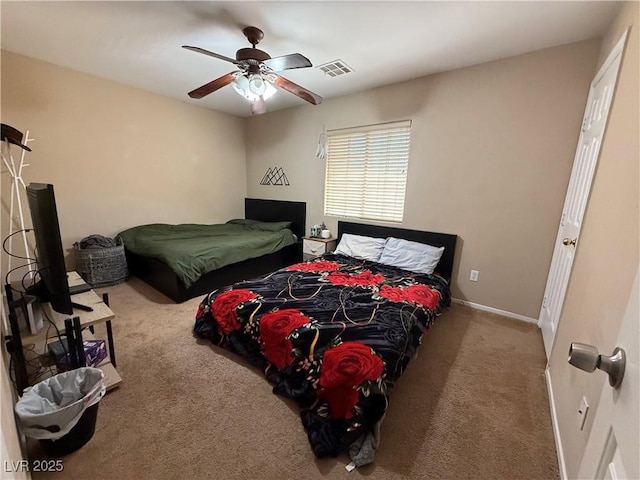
x=191 y=250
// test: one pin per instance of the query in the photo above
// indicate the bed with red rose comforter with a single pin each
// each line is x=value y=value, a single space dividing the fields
x=333 y=334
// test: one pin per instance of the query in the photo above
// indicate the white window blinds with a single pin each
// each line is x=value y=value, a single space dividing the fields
x=366 y=172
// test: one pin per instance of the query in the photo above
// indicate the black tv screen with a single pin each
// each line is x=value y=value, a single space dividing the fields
x=53 y=286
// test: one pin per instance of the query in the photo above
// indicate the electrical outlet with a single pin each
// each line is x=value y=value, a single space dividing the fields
x=474 y=275
x=582 y=412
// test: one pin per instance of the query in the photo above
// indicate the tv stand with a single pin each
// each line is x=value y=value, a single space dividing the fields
x=76 y=327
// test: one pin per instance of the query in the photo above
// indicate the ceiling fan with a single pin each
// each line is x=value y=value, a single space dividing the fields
x=256 y=74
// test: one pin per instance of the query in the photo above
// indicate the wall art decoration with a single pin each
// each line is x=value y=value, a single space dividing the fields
x=275 y=176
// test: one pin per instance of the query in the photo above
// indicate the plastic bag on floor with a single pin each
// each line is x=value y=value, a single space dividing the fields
x=51 y=408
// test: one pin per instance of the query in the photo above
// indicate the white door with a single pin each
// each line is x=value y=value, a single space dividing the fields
x=613 y=448
x=584 y=165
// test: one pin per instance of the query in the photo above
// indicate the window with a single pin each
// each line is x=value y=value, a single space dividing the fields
x=366 y=175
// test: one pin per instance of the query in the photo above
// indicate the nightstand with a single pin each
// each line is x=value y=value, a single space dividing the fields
x=314 y=247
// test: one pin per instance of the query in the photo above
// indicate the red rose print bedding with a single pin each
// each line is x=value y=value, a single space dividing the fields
x=332 y=334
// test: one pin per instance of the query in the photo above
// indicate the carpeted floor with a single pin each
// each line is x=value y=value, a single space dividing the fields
x=472 y=405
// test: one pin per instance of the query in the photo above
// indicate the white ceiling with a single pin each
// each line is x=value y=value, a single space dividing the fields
x=139 y=43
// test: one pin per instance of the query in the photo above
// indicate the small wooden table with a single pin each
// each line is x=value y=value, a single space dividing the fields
x=78 y=321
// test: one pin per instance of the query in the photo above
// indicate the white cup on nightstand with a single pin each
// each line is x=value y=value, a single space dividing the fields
x=325 y=233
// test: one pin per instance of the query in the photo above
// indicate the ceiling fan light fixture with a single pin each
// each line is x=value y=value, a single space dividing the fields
x=269 y=91
x=251 y=87
x=241 y=83
x=257 y=85
x=241 y=86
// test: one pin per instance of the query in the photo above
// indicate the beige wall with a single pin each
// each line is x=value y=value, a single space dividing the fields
x=119 y=156
x=607 y=258
x=491 y=152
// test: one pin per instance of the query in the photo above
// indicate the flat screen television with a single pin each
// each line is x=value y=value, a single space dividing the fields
x=53 y=285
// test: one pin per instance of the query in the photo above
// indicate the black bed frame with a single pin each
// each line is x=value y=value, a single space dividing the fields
x=157 y=274
x=446 y=240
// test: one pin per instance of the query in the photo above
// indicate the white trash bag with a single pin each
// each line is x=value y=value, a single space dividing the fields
x=51 y=408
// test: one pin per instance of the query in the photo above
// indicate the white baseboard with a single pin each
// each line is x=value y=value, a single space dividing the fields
x=504 y=313
x=556 y=429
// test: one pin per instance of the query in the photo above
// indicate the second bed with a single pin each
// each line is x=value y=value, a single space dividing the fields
x=335 y=333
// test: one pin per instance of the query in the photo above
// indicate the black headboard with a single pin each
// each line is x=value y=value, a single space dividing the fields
x=446 y=240
x=277 y=211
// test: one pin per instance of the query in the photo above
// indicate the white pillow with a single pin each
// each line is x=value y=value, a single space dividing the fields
x=358 y=246
x=412 y=256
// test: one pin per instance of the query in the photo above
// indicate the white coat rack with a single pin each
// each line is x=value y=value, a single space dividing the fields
x=16 y=199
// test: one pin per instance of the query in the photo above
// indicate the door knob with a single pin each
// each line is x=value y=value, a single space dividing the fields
x=586 y=357
x=569 y=241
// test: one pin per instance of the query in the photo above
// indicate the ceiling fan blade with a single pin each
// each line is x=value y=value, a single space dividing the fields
x=211 y=54
x=259 y=106
x=287 y=62
x=301 y=92
x=214 y=85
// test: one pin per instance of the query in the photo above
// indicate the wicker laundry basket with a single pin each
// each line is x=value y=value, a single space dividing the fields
x=103 y=266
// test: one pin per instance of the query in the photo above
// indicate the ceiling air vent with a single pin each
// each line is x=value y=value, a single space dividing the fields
x=335 y=68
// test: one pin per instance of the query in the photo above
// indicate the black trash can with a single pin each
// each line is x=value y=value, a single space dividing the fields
x=61 y=411
x=76 y=438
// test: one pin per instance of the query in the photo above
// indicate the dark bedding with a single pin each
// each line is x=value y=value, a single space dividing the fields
x=334 y=335
x=191 y=250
